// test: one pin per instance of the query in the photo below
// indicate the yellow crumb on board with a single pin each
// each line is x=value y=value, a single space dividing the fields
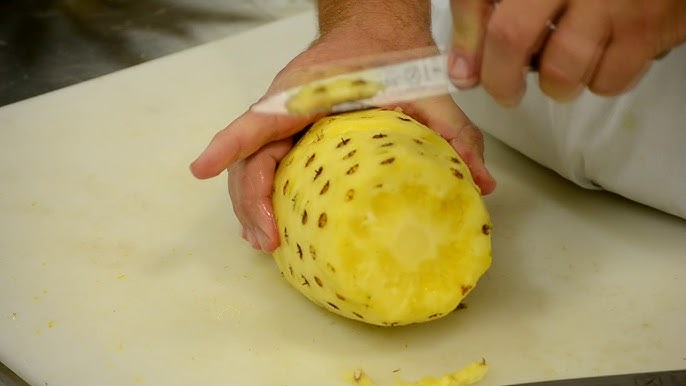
x=359 y=378
x=468 y=375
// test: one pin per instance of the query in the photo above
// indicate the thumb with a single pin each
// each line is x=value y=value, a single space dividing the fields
x=470 y=18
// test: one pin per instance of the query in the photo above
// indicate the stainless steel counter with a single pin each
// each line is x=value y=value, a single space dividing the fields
x=50 y=44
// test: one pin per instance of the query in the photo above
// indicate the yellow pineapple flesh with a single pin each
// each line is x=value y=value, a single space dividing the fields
x=379 y=219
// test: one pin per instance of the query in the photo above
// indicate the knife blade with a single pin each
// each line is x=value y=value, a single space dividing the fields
x=382 y=85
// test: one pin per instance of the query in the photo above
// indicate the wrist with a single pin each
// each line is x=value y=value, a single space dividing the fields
x=371 y=26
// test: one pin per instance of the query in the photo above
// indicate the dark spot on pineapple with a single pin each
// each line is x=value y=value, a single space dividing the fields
x=388 y=161
x=387 y=144
x=378 y=186
x=285 y=186
x=309 y=160
x=294 y=200
x=353 y=169
x=341 y=297
x=319 y=90
x=344 y=141
x=282 y=274
x=358 y=82
x=300 y=251
x=285 y=234
x=349 y=195
x=350 y=154
x=304 y=217
x=290 y=269
x=460 y=306
x=486 y=229
x=318 y=172
x=322 y=220
x=325 y=188
x=313 y=252
x=378 y=136
x=455 y=160
x=418 y=141
x=330 y=267
x=305 y=282
x=457 y=173
x=318 y=281
x=435 y=315
x=465 y=289
x=404 y=119
x=333 y=305
x=358 y=315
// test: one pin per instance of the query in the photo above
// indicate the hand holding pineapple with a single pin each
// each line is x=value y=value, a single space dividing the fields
x=252 y=145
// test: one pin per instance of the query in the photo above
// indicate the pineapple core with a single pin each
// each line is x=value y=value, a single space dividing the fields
x=379 y=219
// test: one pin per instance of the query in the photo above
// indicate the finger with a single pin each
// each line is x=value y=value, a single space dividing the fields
x=514 y=32
x=619 y=69
x=250 y=187
x=573 y=51
x=443 y=116
x=243 y=137
x=469 y=28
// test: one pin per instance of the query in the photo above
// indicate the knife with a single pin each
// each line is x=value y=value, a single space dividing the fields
x=387 y=84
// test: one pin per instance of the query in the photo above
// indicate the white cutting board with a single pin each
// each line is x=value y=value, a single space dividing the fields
x=118 y=268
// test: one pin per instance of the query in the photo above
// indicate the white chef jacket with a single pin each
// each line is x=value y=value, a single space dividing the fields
x=633 y=145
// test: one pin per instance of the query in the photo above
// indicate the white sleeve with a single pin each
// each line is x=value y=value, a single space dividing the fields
x=633 y=145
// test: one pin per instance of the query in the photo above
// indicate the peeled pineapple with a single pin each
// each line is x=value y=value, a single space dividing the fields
x=379 y=219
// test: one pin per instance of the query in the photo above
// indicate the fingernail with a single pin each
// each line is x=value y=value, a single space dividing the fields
x=461 y=73
x=262 y=239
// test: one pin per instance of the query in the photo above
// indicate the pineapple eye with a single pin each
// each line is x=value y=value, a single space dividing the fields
x=325 y=188
x=309 y=160
x=349 y=195
x=418 y=141
x=344 y=141
x=455 y=160
x=318 y=172
x=352 y=153
x=300 y=251
x=388 y=161
x=285 y=185
x=486 y=229
x=457 y=173
x=333 y=305
x=404 y=119
x=304 y=217
x=387 y=144
x=353 y=169
x=322 y=220
x=318 y=281
x=305 y=282
x=358 y=315
x=313 y=253
x=379 y=136
x=339 y=296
